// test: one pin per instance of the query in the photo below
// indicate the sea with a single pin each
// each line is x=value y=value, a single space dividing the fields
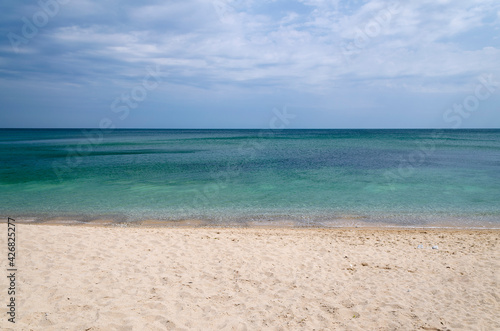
x=291 y=178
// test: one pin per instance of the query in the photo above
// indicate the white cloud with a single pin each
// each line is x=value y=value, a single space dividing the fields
x=227 y=42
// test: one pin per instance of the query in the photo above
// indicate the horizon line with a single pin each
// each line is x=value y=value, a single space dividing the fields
x=271 y=129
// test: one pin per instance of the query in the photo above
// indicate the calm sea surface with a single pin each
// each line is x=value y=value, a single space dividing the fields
x=241 y=177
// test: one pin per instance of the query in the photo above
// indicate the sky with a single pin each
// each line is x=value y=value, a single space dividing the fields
x=250 y=64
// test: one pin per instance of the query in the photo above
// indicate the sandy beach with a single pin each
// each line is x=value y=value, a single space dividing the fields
x=154 y=278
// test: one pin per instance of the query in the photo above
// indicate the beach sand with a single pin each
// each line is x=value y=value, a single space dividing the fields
x=140 y=278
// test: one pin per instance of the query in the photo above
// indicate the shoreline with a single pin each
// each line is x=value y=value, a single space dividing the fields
x=271 y=224
x=183 y=278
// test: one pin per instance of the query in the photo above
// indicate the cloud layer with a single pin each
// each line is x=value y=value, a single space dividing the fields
x=329 y=59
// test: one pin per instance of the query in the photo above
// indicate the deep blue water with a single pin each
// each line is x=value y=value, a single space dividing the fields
x=310 y=177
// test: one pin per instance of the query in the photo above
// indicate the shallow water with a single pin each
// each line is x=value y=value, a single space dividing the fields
x=232 y=177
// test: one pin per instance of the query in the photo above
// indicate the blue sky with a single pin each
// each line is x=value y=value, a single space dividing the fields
x=234 y=64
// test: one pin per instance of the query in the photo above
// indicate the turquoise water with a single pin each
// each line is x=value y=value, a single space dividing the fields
x=307 y=177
